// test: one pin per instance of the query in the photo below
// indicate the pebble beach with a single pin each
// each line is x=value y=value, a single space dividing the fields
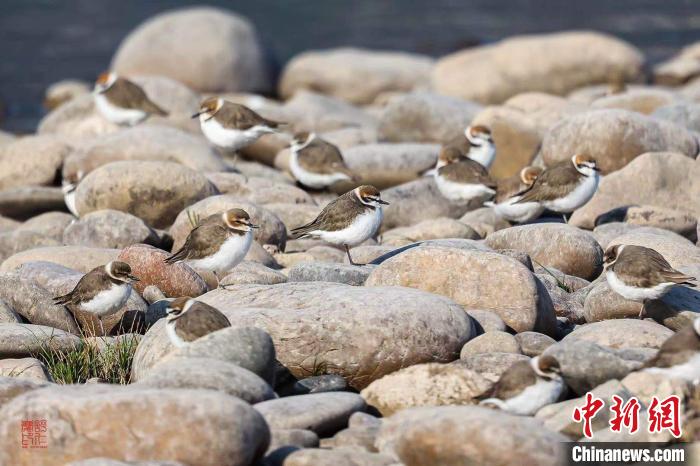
x=326 y=362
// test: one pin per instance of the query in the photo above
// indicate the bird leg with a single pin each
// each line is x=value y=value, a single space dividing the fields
x=102 y=327
x=347 y=251
x=642 y=310
x=565 y=219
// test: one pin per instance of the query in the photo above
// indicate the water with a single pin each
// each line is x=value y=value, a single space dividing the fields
x=43 y=41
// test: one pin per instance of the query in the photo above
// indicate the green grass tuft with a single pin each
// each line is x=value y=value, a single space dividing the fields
x=85 y=361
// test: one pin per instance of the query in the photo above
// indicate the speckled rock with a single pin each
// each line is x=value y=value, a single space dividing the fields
x=622 y=333
x=31 y=161
x=339 y=329
x=491 y=365
x=525 y=307
x=338 y=457
x=314 y=384
x=17 y=241
x=425 y=385
x=26 y=202
x=675 y=220
x=476 y=436
x=490 y=342
x=323 y=413
x=22 y=340
x=135 y=187
x=563 y=247
x=429 y=229
x=79 y=258
x=50 y=224
x=253 y=273
x=533 y=343
x=328 y=272
x=489 y=321
x=24 y=368
x=172 y=279
x=109 y=229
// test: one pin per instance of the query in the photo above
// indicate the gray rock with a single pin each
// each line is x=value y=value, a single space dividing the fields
x=622 y=333
x=26 y=202
x=491 y=365
x=22 y=340
x=10 y=387
x=253 y=273
x=585 y=365
x=31 y=161
x=322 y=413
x=491 y=342
x=533 y=343
x=315 y=384
x=50 y=224
x=249 y=348
x=210 y=374
x=316 y=112
x=489 y=321
x=8 y=315
x=24 y=368
x=385 y=165
x=109 y=229
x=322 y=457
x=328 y=272
x=79 y=258
x=16 y=241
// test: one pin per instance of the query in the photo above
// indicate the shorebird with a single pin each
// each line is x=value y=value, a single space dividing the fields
x=232 y=126
x=641 y=274
x=102 y=291
x=68 y=187
x=566 y=186
x=507 y=194
x=482 y=149
x=461 y=179
x=348 y=220
x=187 y=319
x=122 y=102
x=527 y=386
x=679 y=356
x=316 y=163
x=218 y=243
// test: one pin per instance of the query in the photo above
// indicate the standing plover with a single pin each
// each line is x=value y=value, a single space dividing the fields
x=123 y=102
x=482 y=149
x=102 y=291
x=679 y=356
x=232 y=126
x=187 y=319
x=461 y=179
x=68 y=187
x=348 y=220
x=566 y=186
x=317 y=163
x=527 y=386
x=640 y=274
x=507 y=195
x=218 y=243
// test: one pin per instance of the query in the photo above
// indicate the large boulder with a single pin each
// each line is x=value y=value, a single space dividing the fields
x=23 y=340
x=659 y=179
x=144 y=143
x=425 y=117
x=684 y=114
x=563 y=247
x=555 y=63
x=153 y=191
x=355 y=75
x=134 y=424
x=385 y=165
x=622 y=333
x=80 y=258
x=25 y=202
x=222 y=43
x=31 y=161
x=359 y=333
x=465 y=435
x=310 y=111
x=476 y=280
x=109 y=229
x=614 y=138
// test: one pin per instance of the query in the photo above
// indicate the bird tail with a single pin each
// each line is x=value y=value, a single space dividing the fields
x=526 y=195
x=176 y=257
x=302 y=231
x=155 y=109
x=500 y=404
x=681 y=278
x=62 y=300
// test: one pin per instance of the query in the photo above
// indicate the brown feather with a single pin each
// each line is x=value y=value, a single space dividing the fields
x=322 y=157
x=553 y=183
x=200 y=320
x=125 y=94
x=516 y=379
x=677 y=349
x=236 y=116
x=645 y=268
x=467 y=171
x=337 y=215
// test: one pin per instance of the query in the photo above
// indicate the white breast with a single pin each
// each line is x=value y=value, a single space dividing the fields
x=688 y=371
x=228 y=138
x=69 y=199
x=364 y=227
x=108 y=301
x=117 y=115
x=533 y=398
x=462 y=192
x=173 y=336
x=484 y=154
x=634 y=293
x=313 y=180
x=228 y=256
x=518 y=212
x=576 y=198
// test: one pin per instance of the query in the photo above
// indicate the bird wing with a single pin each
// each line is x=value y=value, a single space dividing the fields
x=467 y=171
x=131 y=95
x=513 y=381
x=323 y=157
x=553 y=183
x=647 y=268
x=201 y=319
x=86 y=288
x=199 y=243
x=337 y=215
x=240 y=117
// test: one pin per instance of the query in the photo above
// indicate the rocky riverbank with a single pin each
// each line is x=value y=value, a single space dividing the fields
x=327 y=362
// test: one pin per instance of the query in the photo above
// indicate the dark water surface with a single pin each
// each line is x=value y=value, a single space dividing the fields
x=43 y=41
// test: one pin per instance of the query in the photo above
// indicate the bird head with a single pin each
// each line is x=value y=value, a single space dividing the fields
x=238 y=219
x=369 y=195
x=120 y=271
x=209 y=107
x=105 y=81
x=585 y=164
x=478 y=135
x=177 y=307
x=528 y=175
x=546 y=366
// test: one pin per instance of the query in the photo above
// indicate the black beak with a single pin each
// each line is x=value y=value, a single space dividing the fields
x=197 y=114
x=596 y=169
x=133 y=278
x=381 y=201
x=252 y=225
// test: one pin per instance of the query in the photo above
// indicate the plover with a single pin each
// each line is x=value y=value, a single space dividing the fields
x=507 y=195
x=232 y=126
x=348 y=220
x=123 y=102
x=482 y=149
x=218 y=243
x=102 y=291
x=461 y=179
x=317 y=163
x=68 y=187
x=679 y=356
x=566 y=186
x=641 y=274
x=527 y=386
x=187 y=319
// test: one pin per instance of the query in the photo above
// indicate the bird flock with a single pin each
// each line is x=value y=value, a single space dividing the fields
x=220 y=242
